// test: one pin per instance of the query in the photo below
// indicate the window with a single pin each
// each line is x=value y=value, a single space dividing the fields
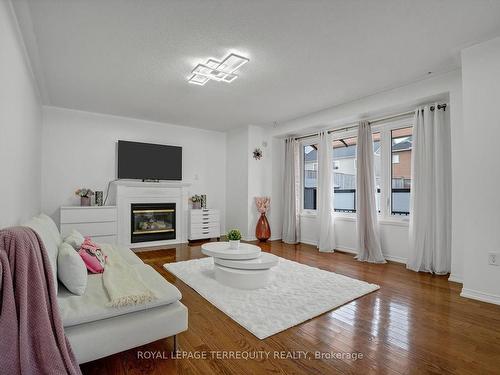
x=401 y=147
x=344 y=177
x=377 y=166
x=310 y=176
x=392 y=147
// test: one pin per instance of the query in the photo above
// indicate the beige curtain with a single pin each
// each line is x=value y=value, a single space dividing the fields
x=291 y=188
x=326 y=242
x=368 y=240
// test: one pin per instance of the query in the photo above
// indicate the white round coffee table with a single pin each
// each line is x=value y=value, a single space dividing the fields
x=263 y=262
x=243 y=268
x=222 y=250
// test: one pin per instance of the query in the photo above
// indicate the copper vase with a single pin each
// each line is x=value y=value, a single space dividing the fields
x=263 y=230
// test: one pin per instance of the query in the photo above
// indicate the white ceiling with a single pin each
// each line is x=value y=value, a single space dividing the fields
x=131 y=58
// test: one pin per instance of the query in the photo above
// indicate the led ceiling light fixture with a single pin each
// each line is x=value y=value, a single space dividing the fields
x=223 y=71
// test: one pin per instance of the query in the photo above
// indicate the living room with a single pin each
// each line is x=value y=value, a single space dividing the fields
x=245 y=187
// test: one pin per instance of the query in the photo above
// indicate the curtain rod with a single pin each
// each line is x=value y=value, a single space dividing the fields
x=354 y=125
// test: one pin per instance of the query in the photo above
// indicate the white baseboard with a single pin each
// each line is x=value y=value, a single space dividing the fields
x=456 y=278
x=480 y=296
x=309 y=242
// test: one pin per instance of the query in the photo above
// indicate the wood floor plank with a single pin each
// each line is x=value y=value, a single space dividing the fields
x=415 y=324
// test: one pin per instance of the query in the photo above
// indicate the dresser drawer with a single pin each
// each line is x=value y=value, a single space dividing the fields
x=87 y=214
x=206 y=226
x=205 y=218
x=90 y=229
x=204 y=233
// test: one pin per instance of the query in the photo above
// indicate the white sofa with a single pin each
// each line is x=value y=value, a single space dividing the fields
x=96 y=330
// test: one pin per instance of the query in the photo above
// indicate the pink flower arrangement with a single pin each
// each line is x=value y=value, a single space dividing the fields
x=263 y=204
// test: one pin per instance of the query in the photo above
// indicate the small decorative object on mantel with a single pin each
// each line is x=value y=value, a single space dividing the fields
x=195 y=202
x=99 y=198
x=234 y=237
x=204 y=201
x=85 y=196
x=257 y=153
x=263 y=230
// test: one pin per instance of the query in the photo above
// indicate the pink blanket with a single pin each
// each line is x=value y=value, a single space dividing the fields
x=32 y=339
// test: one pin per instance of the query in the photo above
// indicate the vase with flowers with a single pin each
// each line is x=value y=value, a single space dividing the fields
x=85 y=196
x=195 y=202
x=262 y=229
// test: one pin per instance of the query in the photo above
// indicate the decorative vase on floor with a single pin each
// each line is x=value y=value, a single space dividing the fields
x=262 y=230
x=84 y=201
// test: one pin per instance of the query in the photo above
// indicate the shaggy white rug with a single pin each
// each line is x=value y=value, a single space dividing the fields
x=295 y=293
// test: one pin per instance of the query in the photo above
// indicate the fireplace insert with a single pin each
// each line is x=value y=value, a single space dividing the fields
x=152 y=222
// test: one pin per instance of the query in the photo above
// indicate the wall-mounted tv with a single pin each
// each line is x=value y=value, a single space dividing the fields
x=149 y=161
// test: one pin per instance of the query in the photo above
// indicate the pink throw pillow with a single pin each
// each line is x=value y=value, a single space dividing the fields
x=92 y=256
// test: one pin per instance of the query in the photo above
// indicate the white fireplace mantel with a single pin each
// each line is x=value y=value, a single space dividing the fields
x=123 y=193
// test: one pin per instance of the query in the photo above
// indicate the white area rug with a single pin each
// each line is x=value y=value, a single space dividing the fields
x=296 y=293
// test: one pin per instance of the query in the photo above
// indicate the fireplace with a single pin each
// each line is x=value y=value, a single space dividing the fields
x=152 y=222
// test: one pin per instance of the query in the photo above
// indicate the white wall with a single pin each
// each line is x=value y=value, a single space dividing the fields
x=249 y=178
x=79 y=150
x=20 y=127
x=481 y=97
x=237 y=180
x=394 y=236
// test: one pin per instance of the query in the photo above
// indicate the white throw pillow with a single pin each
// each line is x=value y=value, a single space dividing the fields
x=49 y=241
x=71 y=269
x=75 y=239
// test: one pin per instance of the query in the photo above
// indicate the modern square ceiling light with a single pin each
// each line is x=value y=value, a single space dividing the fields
x=217 y=70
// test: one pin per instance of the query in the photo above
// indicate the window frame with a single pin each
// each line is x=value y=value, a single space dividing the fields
x=390 y=208
x=351 y=133
x=313 y=141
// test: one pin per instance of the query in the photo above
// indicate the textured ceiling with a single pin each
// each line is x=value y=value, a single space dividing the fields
x=131 y=58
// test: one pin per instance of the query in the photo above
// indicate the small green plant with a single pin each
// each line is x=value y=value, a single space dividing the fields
x=234 y=235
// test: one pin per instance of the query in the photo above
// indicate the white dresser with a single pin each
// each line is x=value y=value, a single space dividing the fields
x=98 y=222
x=203 y=224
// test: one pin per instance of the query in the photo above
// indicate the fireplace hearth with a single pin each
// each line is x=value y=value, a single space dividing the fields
x=152 y=222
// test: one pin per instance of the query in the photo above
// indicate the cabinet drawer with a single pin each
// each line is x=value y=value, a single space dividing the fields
x=104 y=239
x=196 y=234
x=90 y=229
x=208 y=218
x=205 y=226
x=87 y=214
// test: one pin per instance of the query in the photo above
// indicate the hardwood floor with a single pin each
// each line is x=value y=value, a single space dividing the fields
x=415 y=323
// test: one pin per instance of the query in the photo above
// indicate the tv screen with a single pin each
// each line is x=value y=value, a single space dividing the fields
x=149 y=161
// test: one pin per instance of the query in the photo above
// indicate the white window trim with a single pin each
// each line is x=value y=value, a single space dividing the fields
x=303 y=143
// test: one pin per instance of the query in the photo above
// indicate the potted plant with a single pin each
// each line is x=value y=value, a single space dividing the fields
x=85 y=195
x=195 y=202
x=234 y=237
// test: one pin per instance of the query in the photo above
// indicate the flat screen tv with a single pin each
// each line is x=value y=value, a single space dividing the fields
x=149 y=161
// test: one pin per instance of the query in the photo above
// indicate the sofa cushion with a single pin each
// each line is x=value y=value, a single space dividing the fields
x=51 y=228
x=71 y=269
x=94 y=303
x=49 y=241
x=75 y=239
x=128 y=255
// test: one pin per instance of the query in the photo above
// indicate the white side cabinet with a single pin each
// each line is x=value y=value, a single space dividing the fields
x=203 y=224
x=98 y=222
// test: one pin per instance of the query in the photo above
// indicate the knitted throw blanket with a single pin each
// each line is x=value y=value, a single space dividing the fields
x=32 y=339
